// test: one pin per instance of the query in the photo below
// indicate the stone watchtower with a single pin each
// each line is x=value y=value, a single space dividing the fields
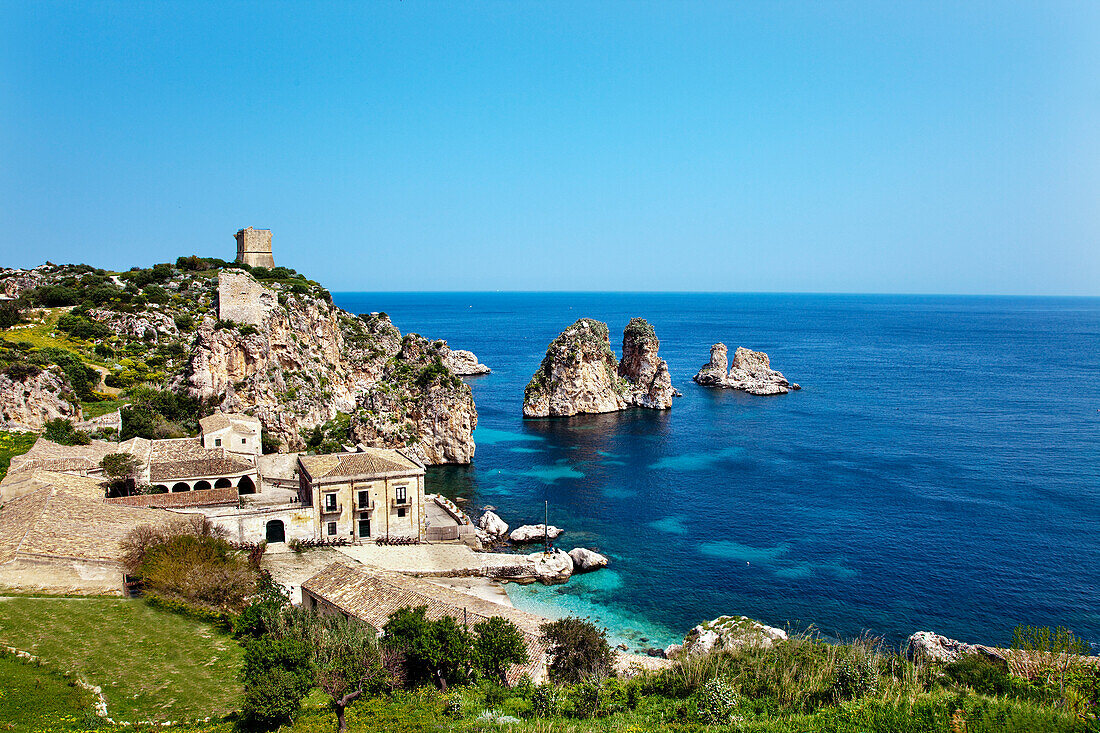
x=254 y=247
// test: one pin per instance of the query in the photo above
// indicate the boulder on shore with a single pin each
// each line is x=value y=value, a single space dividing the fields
x=585 y=560
x=750 y=372
x=551 y=567
x=535 y=533
x=493 y=525
x=580 y=373
x=931 y=647
x=726 y=633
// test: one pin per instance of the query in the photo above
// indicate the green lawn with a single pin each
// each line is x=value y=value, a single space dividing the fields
x=152 y=665
x=13 y=444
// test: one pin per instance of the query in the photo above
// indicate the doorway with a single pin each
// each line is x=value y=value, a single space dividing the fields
x=276 y=531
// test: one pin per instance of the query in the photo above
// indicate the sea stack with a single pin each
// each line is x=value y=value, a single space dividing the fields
x=751 y=372
x=580 y=373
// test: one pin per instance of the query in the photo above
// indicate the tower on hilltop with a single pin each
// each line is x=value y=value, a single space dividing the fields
x=254 y=247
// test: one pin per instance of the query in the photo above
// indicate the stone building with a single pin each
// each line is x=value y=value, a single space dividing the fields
x=254 y=247
x=372 y=595
x=372 y=493
x=237 y=433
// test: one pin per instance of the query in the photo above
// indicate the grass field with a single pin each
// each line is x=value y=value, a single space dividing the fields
x=152 y=665
x=13 y=444
x=32 y=697
x=95 y=409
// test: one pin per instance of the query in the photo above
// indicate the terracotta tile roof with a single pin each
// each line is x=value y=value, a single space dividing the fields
x=45 y=453
x=180 y=449
x=202 y=497
x=221 y=421
x=198 y=468
x=372 y=595
x=369 y=462
x=68 y=518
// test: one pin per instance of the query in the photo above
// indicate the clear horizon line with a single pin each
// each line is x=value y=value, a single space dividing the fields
x=728 y=292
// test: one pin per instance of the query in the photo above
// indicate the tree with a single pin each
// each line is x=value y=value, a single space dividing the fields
x=347 y=662
x=434 y=650
x=498 y=644
x=122 y=469
x=62 y=431
x=277 y=674
x=578 y=650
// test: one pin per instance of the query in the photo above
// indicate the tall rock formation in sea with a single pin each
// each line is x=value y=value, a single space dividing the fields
x=580 y=373
x=751 y=372
x=295 y=361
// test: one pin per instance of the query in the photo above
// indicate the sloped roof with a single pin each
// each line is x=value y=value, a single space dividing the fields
x=180 y=449
x=56 y=457
x=367 y=462
x=372 y=595
x=198 y=468
x=66 y=517
x=222 y=420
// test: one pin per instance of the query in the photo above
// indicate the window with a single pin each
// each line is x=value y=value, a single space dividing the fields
x=330 y=502
x=217 y=442
x=364 y=500
x=332 y=529
x=399 y=494
x=401 y=512
x=244 y=441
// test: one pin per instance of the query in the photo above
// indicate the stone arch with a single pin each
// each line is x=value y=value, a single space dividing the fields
x=246 y=485
x=162 y=489
x=276 y=531
x=223 y=483
x=181 y=486
x=202 y=485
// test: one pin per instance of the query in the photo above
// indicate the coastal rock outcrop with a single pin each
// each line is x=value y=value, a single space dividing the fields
x=299 y=362
x=463 y=363
x=726 y=632
x=492 y=525
x=580 y=373
x=551 y=567
x=585 y=560
x=931 y=647
x=30 y=399
x=534 y=533
x=750 y=372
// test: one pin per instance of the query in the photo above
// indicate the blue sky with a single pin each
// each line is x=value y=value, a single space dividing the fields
x=916 y=147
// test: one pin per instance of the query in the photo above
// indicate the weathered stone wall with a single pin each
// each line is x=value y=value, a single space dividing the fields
x=242 y=299
x=250 y=525
x=62 y=575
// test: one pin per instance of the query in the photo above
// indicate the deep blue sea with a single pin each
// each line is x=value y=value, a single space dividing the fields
x=939 y=470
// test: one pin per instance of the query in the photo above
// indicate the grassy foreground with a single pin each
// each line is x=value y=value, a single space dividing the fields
x=150 y=664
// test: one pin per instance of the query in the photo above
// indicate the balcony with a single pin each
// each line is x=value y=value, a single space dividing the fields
x=399 y=502
x=368 y=507
x=330 y=509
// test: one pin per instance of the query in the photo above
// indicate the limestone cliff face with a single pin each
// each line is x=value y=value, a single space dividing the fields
x=647 y=372
x=580 y=373
x=751 y=372
x=28 y=403
x=298 y=361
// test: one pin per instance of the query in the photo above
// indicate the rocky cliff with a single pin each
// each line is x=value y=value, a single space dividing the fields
x=751 y=372
x=580 y=373
x=300 y=361
x=28 y=400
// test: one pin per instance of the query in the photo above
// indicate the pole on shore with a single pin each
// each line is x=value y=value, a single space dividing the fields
x=546 y=527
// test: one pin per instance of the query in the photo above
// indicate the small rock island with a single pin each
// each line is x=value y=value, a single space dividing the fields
x=751 y=372
x=580 y=373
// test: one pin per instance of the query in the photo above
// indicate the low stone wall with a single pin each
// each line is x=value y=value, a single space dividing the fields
x=203 y=497
x=62 y=575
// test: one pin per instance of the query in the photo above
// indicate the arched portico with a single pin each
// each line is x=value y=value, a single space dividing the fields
x=246 y=485
x=202 y=485
x=181 y=486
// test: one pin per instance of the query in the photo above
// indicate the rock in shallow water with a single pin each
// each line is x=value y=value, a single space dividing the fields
x=493 y=525
x=585 y=560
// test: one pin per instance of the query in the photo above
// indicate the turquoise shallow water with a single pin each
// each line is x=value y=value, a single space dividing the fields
x=939 y=470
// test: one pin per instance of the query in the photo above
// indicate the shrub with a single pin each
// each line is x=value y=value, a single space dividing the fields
x=53 y=296
x=433 y=650
x=546 y=701
x=856 y=676
x=578 y=650
x=716 y=702
x=21 y=371
x=81 y=327
x=184 y=322
x=271 y=700
x=81 y=376
x=9 y=314
x=62 y=431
